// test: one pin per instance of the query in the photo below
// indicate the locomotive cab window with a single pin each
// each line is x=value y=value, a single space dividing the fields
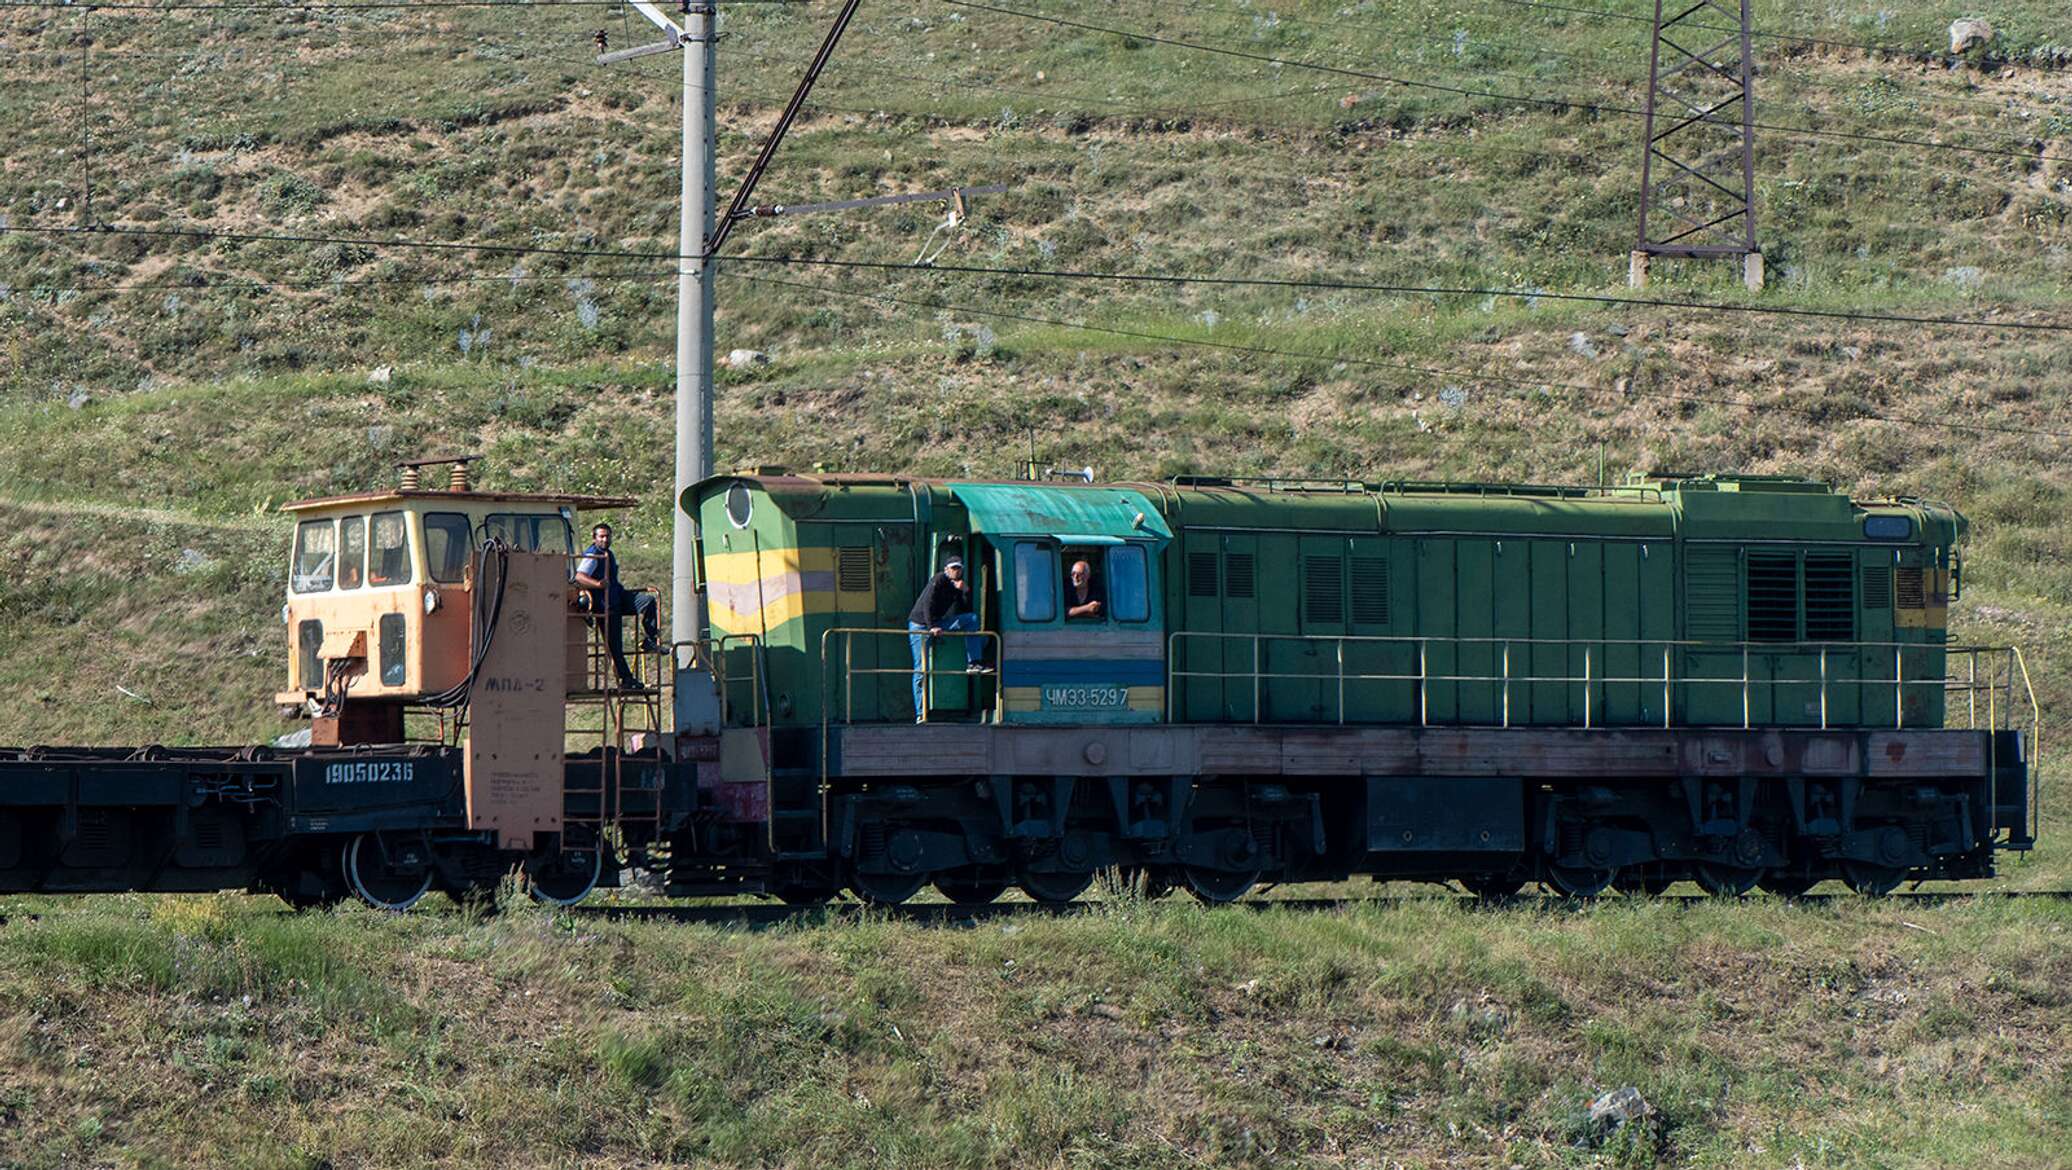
x=1035 y=581
x=352 y=551
x=1129 y=585
x=531 y=532
x=446 y=540
x=389 y=559
x=316 y=559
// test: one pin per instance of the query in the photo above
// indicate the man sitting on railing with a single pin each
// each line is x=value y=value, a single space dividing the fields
x=598 y=575
x=944 y=604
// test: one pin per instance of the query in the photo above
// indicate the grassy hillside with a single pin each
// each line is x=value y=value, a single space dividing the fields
x=160 y=394
x=215 y=1032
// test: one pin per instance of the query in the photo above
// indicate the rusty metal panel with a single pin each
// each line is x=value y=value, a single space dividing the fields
x=517 y=708
x=1237 y=751
x=1925 y=753
x=1539 y=753
x=343 y=644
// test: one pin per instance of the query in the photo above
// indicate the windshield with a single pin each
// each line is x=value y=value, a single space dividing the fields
x=315 y=556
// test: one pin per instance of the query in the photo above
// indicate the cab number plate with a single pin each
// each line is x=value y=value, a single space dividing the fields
x=1094 y=698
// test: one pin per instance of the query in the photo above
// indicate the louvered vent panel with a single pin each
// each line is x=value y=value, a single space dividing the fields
x=1323 y=590
x=1877 y=587
x=1201 y=574
x=1371 y=591
x=1830 y=597
x=853 y=570
x=1773 y=597
x=1237 y=575
x=1911 y=587
x=1712 y=588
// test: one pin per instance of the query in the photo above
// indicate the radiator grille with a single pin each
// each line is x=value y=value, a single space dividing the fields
x=1773 y=597
x=1711 y=581
x=1371 y=591
x=1237 y=580
x=1877 y=587
x=1830 y=598
x=1911 y=588
x=1323 y=590
x=853 y=570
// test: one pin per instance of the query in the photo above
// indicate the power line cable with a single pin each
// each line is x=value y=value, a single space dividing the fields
x=1757 y=34
x=334 y=5
x=1524 y=99
x=1634 y=71
x=1161 y=278
x=243 y=284
x=1301 y=355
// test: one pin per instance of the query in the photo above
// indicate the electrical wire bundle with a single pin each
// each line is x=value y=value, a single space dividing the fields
x=491 y=566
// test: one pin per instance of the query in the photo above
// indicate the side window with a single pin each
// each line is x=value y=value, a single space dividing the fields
x=1035 y=581
x=556 y=536
x=316 y=556
x=390 y=562
x=352 y=551
x=529 y=532
x=446 y=546
x=1129 y=587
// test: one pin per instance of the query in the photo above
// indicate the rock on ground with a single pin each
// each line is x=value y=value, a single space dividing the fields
x=1968 y=33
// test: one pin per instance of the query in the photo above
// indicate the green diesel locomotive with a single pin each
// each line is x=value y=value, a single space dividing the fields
x=1740 y=680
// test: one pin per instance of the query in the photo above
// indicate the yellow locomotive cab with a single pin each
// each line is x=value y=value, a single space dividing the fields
x=379 y=583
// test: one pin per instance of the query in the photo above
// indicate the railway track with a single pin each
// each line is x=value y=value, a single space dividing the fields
x=762 y=915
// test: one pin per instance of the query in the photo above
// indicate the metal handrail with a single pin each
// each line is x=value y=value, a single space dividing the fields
x=1995 y=683
x=928 y=672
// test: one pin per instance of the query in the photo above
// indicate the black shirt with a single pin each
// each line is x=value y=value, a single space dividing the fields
x=939 y=601
x=1093 y=593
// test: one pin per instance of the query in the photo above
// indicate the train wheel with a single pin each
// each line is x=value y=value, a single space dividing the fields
x=1642 y=881
x=886 y=889
x=1725 y=881
x=1575 y=881
x=1788 y=885
x=1491 y=887
x=1056 y=887
x=1872 y=881
x=1218 y=886
x=970 y=888
x=563 y=879
x=373 y=882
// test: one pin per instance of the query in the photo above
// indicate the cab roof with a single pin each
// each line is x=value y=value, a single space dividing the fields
x=426 y=495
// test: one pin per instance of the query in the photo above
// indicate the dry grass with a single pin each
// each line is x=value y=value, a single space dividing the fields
x=215 y=1032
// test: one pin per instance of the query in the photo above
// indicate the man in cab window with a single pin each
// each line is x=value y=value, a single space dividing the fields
x=1083 y=600
x=598 y=574
x=944 y=604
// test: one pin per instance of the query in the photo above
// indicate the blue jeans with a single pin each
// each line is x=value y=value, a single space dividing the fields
x=918 y=637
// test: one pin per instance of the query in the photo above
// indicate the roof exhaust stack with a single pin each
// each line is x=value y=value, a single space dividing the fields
x=456 y=472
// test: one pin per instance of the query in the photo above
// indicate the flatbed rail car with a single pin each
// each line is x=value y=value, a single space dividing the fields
x=1740 y=681
x=387 y=823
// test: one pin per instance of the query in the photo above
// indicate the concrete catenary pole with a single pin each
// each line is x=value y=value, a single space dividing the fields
x=693 y=317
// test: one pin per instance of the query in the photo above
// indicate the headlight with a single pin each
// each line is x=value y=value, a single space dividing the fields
x=431 y=601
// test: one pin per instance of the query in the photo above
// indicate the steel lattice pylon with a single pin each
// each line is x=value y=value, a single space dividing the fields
x=1697 y=173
